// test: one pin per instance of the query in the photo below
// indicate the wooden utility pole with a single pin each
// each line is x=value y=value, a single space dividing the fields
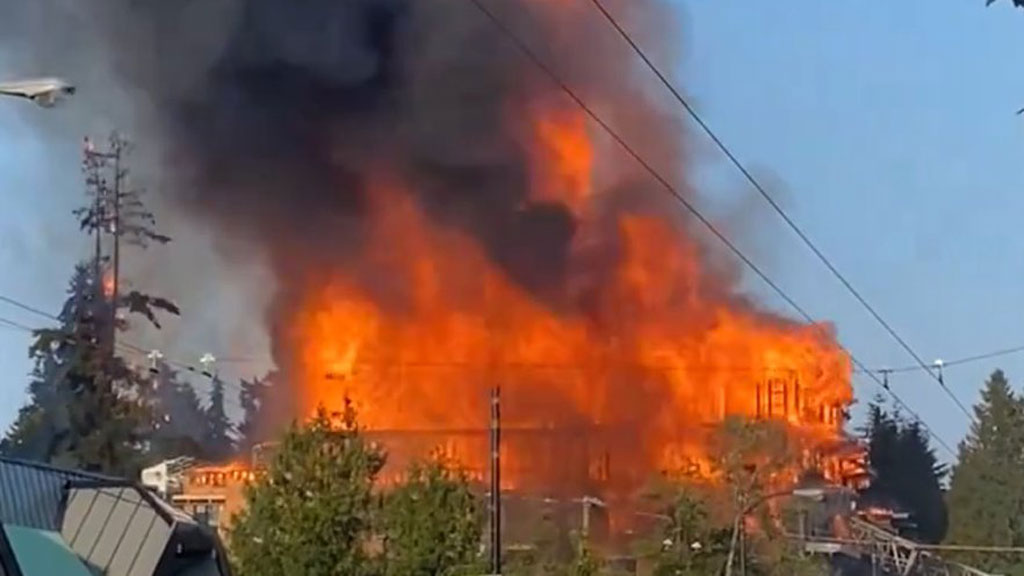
x=93 y=168
x=115 y=230
x=106 y=219
x=495 y=479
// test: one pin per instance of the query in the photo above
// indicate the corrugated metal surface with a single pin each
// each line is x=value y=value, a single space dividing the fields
x=128 y=529
x=31 y=493
x=116 y=530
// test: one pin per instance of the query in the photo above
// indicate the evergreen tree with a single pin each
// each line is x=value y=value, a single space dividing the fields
x=253 y=399
x=41 y=423
x=178 y=418
x=986 y=496
x=218 y=442
x=446 y=544
x=86 y=408
x=80 y=413
x=907 y=473
x=313 y=512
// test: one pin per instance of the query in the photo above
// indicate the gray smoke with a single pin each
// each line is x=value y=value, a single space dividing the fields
x=269 y=116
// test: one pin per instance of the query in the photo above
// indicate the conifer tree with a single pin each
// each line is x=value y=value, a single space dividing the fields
x=218 y=441
x=80 y=412
x=178 y=417
x=907 y=474
x=986 y=495
x=87 y=409
x=253 y=398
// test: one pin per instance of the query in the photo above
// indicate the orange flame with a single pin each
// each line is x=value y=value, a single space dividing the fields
x=108 y=283
x=620 y=384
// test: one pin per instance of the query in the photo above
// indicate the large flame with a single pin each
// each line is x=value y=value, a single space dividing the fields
x=623 y=382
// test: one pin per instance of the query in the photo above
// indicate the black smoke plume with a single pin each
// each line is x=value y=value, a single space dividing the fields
x=273 y=114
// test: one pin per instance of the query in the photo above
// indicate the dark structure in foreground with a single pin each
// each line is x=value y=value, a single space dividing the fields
x=115 y=527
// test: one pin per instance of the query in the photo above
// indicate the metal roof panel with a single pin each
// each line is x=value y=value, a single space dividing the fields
x=31 y=492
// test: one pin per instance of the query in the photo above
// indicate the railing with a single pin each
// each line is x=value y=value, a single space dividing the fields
x=889 y=552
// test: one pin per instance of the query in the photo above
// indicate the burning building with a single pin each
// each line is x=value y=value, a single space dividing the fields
x=439 y=218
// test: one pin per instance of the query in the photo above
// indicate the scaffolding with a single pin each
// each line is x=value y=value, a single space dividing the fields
x=887 y=552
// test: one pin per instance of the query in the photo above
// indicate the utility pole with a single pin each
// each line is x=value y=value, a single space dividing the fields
x=106 y=219
x=115 y=230
x=92 y=165
x=496 y=479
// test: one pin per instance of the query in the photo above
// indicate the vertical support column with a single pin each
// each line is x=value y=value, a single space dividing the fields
x=796 y=398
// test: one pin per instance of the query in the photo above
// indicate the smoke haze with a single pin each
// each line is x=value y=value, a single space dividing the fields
x=264 y=123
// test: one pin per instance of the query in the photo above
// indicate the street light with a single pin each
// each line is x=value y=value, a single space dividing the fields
x=809 y=493
x=45 y=92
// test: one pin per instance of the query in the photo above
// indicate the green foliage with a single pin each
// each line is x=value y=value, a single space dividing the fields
x=586 y=562
x=82 y=410
x=178 y=417
x=908 y=475
x=253 y=399
x=217 y=440
x=87 y=409
x=700 y=517
x=432 y=524
x=692 y=543
x=313 y=512
x=986 y=496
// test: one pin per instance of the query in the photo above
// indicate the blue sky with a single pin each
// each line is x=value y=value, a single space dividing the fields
x=887 y=129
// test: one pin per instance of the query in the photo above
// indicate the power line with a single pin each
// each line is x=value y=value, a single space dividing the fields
x=122 y=345
x=16 y=325
x=129 y=345
x=237 y=386
x=557 y=80
x=28 y=308
x=957 y=362
x=776 y=207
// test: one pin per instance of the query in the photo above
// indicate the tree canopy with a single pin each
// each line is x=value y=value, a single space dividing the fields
x=87 y=408
x=81 y=412
x=178 y=417
x=986 y=496
x=313 y=512
x=318 y=511
x=907 y=474
x=218 y=432
x=447 y=544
